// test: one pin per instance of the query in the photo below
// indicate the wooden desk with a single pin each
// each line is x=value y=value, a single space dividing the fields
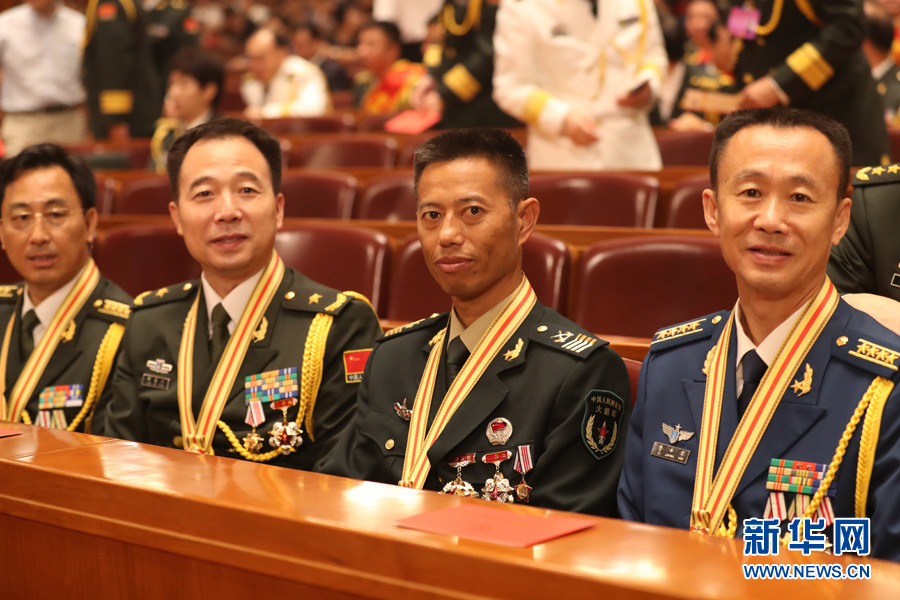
x=85 y=516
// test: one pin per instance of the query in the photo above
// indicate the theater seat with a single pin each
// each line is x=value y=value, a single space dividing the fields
x=133 y=154
x=610 y=199
x=329 y=152
x=324 y=124
x=414 y=293
x=318 y=194
x=345 y=258
x=107 y=187
x=388 y=197
x=148 y=195
x=684 y=148
x=144 y=257
x=635 y=286
x=685 y=210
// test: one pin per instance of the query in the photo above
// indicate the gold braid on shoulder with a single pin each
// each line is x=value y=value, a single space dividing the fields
x=310 y=380
x=878 y=391
x=106 y=355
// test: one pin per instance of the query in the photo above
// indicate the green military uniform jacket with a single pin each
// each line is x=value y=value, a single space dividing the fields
x=552 y=382
x=119 y=76
x=465 y=71
x=812 y=49
x=867 y=259
x=77 y=356
x=170 y=27
x=144 y=405
x=888 y=86
x=706 y=78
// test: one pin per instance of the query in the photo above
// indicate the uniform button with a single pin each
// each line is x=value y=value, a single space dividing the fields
x=186 y=287
x=178 y=441
x=842 y=341
x=716 y=319
x=289 y=295
x=542 y=328
x=389 y=444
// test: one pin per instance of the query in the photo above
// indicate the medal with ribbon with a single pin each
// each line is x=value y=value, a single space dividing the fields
x=497 y=488
x=712 y=496
x=34 y=367
x=803 y=479
x=54 y=399
x=279 y=389
x=524 y=463
x=458 y=486
x=198 y=433
x=421 y=437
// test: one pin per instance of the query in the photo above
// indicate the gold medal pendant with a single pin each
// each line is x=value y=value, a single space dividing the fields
x=497 y=488
x=460 y=487
x=285 y=436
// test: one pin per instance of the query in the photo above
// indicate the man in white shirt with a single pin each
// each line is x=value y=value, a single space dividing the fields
x=280 y=84
x=733 y=409
x=42 y=94
x=64 y=324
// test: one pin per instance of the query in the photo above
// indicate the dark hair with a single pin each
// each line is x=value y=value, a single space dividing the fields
x=782 y=117
x=202 y=65
x=281 y=40
x=218 y=129
x=497 y=146
x=42 y=156
x=312 y=28
x=390 y=31
x=879 y=27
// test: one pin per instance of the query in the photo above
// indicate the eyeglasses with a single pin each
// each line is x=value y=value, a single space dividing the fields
x=24 y=220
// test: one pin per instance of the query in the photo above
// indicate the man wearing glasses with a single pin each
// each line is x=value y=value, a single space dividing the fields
x=61 y=329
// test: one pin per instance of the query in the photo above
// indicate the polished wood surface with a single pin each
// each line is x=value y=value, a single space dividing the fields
x=86 y=516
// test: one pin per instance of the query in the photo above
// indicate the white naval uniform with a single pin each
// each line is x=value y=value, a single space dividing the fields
x=298 y=89
x=553 y=56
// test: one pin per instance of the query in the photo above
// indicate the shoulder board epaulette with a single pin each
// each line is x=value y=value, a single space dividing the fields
x=163 y=295
x=877 y=175
x=320 y=300
x=561 y=337
x=10 y=293
x=689 y=331
x=867 y=352
x=111 y=310
x=415 y=325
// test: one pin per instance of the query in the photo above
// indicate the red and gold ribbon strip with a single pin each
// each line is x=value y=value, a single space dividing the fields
x=198 y=434
x=415 y=463
x=712 y=497
x=34 y=367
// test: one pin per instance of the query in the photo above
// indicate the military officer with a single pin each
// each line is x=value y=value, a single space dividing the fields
x=807 y=54
x=254 y=359
x=123 y=89
x=63 y=325
x=459 y=85
x=867 y=259
x=584 y=82
x=877 y=48
x=793 y=385
x=170 y=27
x=501 y=397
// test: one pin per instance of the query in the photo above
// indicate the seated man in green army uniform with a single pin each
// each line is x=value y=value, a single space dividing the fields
x=501 y=389
x=254 y=359
x=62 y=327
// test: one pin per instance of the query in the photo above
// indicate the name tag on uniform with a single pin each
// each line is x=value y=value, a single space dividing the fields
x=157 y=382
x=668 y=452
x=895 y=280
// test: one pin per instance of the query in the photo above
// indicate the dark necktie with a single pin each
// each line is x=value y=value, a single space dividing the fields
x=754 y=369
x=220 y=320
x=457 y=353
x=29 y=322
x=593 y=4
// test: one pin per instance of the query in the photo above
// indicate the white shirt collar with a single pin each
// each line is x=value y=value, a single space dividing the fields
x=234 y=302
x=204 y=118
x=881 y=68
x=767 y=349
x=48 y=306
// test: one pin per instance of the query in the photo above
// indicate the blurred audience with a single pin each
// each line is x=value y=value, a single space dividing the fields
x=877 y=47
x=412 y=17
x=309 y=45
x=385 y=86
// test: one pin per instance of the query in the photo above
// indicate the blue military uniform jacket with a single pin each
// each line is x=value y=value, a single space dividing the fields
x=545 y=389
x=805 y=427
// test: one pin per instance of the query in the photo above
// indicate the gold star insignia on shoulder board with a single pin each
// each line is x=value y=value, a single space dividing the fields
x=878 y=170
x=314 y=299
x=161 y=292
x=893 y=169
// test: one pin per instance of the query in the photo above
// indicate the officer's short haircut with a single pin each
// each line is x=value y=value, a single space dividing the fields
x=219 y=129
x=390 y=31
x=202 y=65
x=42 y=156
x=782 y=117
x=879 y=27
x=497 y=146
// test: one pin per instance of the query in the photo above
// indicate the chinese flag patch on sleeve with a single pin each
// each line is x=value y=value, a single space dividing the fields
x=355 y=364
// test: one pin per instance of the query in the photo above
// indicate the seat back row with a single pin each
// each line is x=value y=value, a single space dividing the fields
x=624 y=287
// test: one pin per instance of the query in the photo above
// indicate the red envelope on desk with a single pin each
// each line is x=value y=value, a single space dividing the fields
x=495 y=525
x=9 y=433
x=411 y=122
